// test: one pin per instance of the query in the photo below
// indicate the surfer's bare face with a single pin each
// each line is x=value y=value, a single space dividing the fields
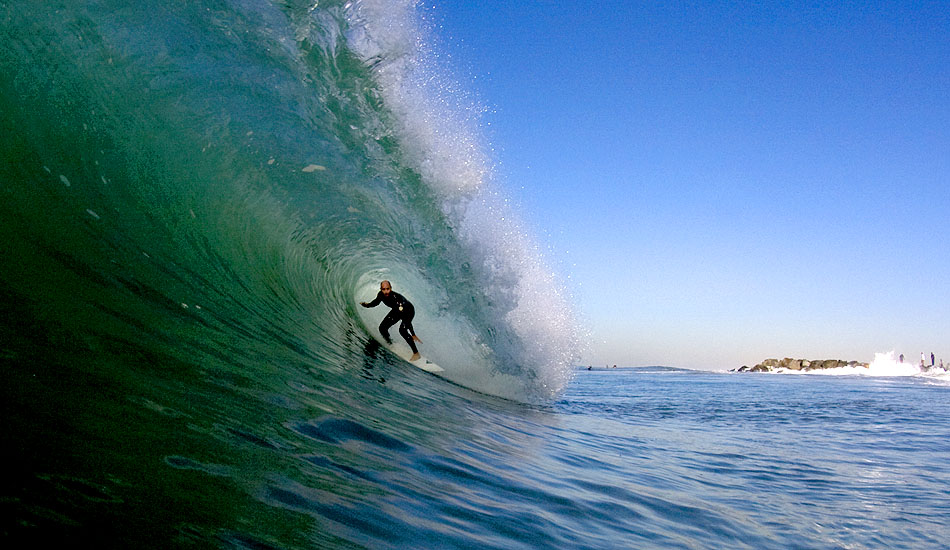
x=385 y=288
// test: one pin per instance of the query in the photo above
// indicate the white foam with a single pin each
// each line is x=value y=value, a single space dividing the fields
x=886 y=364
x=437 y=126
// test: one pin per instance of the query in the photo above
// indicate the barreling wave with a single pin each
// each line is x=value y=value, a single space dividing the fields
x=232 y=179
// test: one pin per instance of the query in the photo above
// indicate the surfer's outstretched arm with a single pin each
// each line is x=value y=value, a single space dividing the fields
x=375 y=302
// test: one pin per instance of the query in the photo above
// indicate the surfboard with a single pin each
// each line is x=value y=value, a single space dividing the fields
x=399 y=348
x=403 y=352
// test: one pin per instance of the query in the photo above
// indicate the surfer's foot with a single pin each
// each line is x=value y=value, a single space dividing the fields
x=416 y=338
x=415 y=357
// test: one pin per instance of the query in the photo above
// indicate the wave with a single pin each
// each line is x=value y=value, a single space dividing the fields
x=885 y=364
x=233 y=179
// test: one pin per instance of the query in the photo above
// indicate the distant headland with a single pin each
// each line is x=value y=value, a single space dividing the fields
x=771 y=365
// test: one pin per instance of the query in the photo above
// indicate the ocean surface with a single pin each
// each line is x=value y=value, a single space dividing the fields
x=195 y=197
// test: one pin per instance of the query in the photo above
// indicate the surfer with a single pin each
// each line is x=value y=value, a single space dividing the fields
x=401 y=310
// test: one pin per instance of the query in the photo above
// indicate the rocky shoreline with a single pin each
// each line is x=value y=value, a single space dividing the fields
x=804 y=365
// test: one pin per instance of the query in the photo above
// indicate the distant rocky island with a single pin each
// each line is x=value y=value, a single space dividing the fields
x=771 y=365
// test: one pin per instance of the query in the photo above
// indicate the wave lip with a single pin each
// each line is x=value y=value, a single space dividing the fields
x=329 y=146
x=525 y=318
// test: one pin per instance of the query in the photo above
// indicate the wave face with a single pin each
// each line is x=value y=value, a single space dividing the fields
x=194 y=198
x=220 y=183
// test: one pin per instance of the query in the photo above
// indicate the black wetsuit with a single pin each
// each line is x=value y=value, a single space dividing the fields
x=401 y=310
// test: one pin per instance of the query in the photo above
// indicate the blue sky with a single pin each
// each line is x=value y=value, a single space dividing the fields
x=723 y=182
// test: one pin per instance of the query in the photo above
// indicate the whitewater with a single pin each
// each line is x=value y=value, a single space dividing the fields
x=194 y=199
x=884 y=364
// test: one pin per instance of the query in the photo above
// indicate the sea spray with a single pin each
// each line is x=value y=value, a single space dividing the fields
x=888 y=364
x=885 y=364
x=438 y=136
x=193 y=195
x=262 y=161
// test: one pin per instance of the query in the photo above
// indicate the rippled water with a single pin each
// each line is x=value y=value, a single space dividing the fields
x=625 y=459
x=194 y=199
x=722 y=461
x=661 y=459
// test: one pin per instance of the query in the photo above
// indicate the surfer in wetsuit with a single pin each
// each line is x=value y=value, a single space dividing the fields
x=400 y=310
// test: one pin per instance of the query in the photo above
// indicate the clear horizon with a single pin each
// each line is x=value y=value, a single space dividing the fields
x=720 y=184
